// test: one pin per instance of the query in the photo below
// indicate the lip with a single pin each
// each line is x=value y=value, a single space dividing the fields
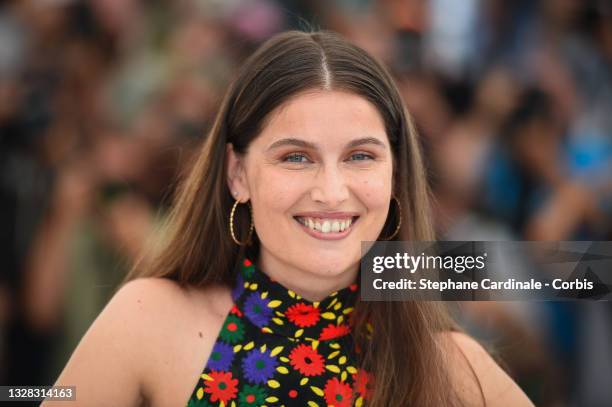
x=327 y=215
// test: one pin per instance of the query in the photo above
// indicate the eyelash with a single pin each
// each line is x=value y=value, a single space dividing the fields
x=302 y=155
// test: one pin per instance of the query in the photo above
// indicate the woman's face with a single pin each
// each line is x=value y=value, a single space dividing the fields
x=319 y=178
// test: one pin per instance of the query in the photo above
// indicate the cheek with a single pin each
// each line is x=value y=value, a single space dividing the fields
x=375 y=191
x=275 y=196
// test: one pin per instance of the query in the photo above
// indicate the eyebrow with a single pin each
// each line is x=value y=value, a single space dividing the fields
x=306 y=144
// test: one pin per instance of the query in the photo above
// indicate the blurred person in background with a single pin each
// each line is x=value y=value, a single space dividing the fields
x=529 y=182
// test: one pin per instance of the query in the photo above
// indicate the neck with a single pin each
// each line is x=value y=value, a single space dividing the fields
x=310 y=285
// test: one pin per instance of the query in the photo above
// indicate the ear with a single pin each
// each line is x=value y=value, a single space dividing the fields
x=236 y=175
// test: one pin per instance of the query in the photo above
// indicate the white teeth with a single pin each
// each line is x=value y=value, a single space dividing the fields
x=335 y=227
x=326 y=225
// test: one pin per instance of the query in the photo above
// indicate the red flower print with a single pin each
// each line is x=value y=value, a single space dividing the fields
x=338 y=394
x=247 y=263
x=222 y=387
x=303 y=315
x=306 y=360
x=236 y=311
x=332 y=331
x=363 y=383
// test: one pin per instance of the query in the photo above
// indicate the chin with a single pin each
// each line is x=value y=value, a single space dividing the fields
x=330 y=266
x=333 y=258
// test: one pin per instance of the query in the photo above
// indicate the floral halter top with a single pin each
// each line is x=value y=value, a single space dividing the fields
x=278 y=349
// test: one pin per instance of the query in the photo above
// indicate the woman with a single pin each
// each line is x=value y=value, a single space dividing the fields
x=311 y=153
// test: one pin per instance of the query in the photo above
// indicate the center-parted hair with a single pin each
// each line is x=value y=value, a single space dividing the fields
x=405 y=353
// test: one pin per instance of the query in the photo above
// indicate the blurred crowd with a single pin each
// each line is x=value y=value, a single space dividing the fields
x=103 y=102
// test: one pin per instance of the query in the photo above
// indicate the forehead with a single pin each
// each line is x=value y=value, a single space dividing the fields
x=324 y=117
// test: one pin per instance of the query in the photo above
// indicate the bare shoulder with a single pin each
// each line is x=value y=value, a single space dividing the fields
x=473 y=369
x=156 y=304
x=178 y=327
x=159 y=296
x=150 y=325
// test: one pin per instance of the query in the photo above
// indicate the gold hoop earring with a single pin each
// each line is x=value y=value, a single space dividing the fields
x=399 y=223
x=231 y=225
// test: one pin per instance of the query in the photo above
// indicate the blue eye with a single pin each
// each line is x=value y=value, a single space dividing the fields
x=296 y=158
x=361 y=157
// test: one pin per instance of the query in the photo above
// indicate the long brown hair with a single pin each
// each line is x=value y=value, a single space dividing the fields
x=404 y=354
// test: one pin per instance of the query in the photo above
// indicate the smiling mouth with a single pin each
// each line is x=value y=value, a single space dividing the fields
x=327 y=225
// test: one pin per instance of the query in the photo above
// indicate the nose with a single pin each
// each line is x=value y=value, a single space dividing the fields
x=330 y=187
